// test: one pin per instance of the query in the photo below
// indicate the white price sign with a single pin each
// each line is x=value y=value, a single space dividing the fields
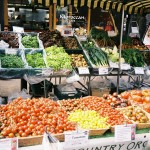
x=139 y=70
x=103 y=71
x=113 y=65
x=76 y=138
x=125 y=132
x=125 y=67
x=83 y=70
x=9 y=144
x=11 y=51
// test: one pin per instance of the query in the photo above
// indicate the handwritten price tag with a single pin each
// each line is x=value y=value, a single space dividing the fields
x=76 y=138
x=139 y=70
x=125 y=132
x=103 y=71
x=125 y=67
x=11 y=51
x=83 y=70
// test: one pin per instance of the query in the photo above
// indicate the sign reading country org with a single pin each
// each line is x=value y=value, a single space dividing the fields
x=140 y=143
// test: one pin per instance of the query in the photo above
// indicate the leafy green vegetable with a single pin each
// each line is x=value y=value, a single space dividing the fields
x=35 y=60
x=99 y=34
x=88 y=43
x=30 y=41
x=58 y=58
x=134 y=57
x=11 y=61
x=97 y=56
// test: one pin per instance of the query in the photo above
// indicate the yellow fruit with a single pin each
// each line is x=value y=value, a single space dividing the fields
x=89 y=119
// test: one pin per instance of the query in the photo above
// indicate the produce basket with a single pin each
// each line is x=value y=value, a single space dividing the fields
x=38 y=61
x=36 y=140
x=93 y=132
x=30 y=141
x=71 y=43
x=12 y=63
x=79 y=52
x=30 y=40
x=140 y=125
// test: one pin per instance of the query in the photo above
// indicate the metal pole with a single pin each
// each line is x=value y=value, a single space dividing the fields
x=120 y=48
x=45 y=92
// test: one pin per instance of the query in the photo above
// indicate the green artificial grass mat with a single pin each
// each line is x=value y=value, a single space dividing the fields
x=110 y=134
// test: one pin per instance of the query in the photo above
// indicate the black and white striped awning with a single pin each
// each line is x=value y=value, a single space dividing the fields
x=103 y=4
x=138 y=6
x=131 y=6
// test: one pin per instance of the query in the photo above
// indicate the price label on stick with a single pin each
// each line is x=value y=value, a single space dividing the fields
x=139 y=70
x=125 y=67
x=113 y=65
x=11 y=51
x=76 y=138
x=103 y=71
x=83 y=70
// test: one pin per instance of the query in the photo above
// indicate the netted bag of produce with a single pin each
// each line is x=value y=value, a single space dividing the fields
x=29 y=40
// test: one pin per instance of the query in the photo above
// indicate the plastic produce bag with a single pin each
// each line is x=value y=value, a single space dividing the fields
x=73 y=77
x=22 y=94
x=50 y=142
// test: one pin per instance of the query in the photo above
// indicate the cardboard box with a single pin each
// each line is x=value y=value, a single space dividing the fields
x=99 y=92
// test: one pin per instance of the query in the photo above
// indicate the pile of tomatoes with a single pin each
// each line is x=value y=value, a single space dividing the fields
x=29 y=117
x=98 y=104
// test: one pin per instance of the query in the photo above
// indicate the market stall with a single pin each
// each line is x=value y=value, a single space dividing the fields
x=41 y=55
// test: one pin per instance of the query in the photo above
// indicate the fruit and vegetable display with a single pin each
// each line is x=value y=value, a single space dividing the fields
x=35 y=60
x=29 y=117
x=135 y=114
x=57 y=58
x=114 y=117
x=88 y=119
x=11 y=61
x=97 y=57
x=101 y=37
x=146 y=56
x=80 y=31
x=133 y=43
x=133 y=57
x=87 y=44
x=113 y=54
x=138 y=97
x=51 y=38
x=116 y=101
x=10 y=38
x=30 y=41
x=78 y=60
x=70 y=43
